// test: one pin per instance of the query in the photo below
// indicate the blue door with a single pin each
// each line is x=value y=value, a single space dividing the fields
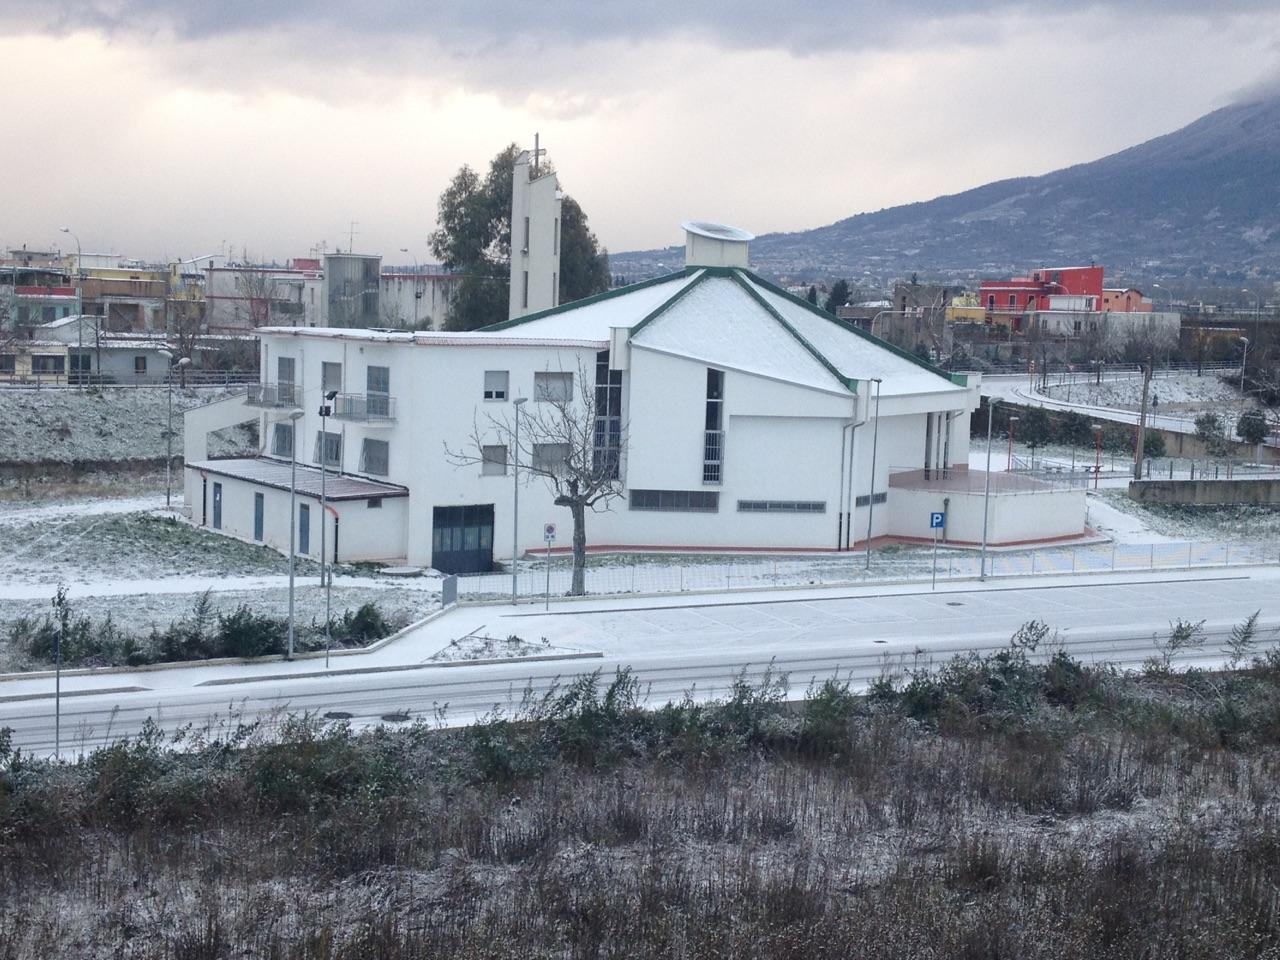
x=259 y=509
x=217 y=506
x=304 y=528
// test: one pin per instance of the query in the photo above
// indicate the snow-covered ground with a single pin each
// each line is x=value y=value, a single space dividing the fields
x=1180 y=389
x=108 y=424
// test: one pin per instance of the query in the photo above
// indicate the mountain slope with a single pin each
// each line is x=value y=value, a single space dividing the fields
x=1206 y=195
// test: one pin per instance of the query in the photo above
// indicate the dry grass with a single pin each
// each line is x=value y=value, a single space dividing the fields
x=1102 y=818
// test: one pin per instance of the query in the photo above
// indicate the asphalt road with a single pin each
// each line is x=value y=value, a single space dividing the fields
x=676 y=646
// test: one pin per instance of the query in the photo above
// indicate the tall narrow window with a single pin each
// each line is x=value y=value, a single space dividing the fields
x=378 y=391
x=282 y=440
x=331 y=377
x=555 y=236
x=525 y=248
x=713 y=434
x=285 y=369
x=524 y=302
x=608 y=425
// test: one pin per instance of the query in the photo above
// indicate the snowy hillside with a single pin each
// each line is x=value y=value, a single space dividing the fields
x=65 y=426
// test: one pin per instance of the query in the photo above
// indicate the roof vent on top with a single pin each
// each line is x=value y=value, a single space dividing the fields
x=714 y=245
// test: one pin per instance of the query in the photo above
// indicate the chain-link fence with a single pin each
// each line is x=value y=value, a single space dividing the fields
x=670 y=574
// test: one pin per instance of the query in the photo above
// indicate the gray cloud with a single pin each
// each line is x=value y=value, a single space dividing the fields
x=475 y=28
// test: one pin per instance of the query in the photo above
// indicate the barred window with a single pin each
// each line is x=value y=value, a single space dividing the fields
x=675 y=501
x=865 y=500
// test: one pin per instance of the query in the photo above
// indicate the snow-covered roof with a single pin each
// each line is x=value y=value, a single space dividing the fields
x=275 y=473
x=730 y=316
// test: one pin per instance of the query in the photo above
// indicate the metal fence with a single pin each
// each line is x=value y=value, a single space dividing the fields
x=666 y=574
x=74 y=381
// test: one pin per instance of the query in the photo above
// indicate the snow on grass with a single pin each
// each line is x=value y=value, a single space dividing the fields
x=104 y=424
x=1241 y=523
x=1182 y=389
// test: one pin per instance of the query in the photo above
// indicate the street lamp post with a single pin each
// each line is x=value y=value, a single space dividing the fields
x=986 y=492
x=1097 y=453
x=871 y=500
x=1012 y=421
x=1244 y=361
x=415 y=285
x=515 y=504
x=294 y=417
x=79 y=295
x=326 y=575
x=168 y=457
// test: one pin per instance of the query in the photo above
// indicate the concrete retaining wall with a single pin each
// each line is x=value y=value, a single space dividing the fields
x=1203 y=492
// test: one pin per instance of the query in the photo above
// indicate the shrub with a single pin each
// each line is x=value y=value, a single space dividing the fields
x=244 y=633
x=363 y=626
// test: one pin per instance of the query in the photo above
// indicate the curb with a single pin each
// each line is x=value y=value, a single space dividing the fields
x=401 y=668
x=226 y=661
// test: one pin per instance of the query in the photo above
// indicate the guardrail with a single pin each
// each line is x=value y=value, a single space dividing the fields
x=615 y=575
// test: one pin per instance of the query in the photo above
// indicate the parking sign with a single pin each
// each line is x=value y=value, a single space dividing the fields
x=937 y=520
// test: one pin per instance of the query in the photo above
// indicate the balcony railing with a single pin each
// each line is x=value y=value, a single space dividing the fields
x=272 y=395
x=364 y=406
x=713 y=456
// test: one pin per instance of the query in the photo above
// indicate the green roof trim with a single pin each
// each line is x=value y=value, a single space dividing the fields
x=854 y=328
x=666 y=304
x=846 y=382
x=585 y=301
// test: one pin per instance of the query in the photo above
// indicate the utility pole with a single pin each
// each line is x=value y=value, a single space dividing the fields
x=1142 y=422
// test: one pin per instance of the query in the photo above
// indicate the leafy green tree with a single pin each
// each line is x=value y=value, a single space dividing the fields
x=1035 y=429
x=838 y=297
x=474 y=239
x=1212 y=434
x=1153 y=443
x=1074 y=428
x=1252 y=426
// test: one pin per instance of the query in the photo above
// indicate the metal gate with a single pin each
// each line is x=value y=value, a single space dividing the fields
x=462 y=539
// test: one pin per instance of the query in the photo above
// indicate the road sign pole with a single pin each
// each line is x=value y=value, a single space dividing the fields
x=547 y=600
x=935 y=559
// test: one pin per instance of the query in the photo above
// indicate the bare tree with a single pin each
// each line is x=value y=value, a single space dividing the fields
x=573 y=438
x=255 y=287
x=186 y=324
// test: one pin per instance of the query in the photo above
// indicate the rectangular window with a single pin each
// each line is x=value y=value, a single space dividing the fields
x=525 y=248
x=555 y=289
x=331 y=377
x=782 y=506
x=282 y=440
x=375 y=457
x=495 y=384
x=140 y=366
x=675 y=501
x=259 y=515
x=607 y=452
x=48 y=363
x=1013 y=300
x=331 y=443
x=493 y=460
x=550 y=458
x=553 y=387
x=217 y=505
x=378 y=391
x=8 y=363
x=285 y=379
x=304 y=528
x=865 y=500
x=373 y=503
x=525 y=297
x=555 y=236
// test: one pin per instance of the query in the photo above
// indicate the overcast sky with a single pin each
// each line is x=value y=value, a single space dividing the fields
x=175 y=128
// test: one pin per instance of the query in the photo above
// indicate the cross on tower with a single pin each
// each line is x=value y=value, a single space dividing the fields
x=537 y=152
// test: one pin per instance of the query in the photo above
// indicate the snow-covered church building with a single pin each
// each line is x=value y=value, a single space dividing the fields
x=745 y=418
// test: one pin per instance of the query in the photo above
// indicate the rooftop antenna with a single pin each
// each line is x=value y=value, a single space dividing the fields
x=351 y=237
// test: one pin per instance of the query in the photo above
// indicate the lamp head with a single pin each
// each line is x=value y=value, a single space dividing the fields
x=519 y=400
x=184 y=361
x=296 y=415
